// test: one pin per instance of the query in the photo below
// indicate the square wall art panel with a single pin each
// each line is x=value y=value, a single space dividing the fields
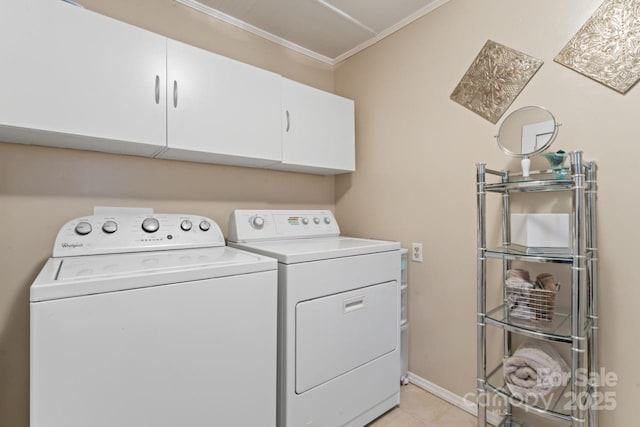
x=607 y=47
x=494 y=80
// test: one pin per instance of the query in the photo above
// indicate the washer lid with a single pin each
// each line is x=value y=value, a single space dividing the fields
x=87 y=275
x=304 y=250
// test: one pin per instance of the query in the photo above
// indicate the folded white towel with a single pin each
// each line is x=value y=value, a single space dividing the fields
x=534 y=370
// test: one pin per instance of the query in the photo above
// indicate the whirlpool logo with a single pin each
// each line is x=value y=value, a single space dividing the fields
x=72 y=245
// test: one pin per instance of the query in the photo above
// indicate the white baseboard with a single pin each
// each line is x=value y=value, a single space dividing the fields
x=446 y=395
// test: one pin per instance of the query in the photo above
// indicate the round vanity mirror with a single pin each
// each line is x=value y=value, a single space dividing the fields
x=526 y=132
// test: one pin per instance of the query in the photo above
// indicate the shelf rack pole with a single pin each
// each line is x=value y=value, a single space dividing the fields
x=506 y=265
x=592 y=284
x=578 y=274
x=481 y=295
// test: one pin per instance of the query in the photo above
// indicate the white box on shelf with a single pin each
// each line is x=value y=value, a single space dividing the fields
x=540 y=230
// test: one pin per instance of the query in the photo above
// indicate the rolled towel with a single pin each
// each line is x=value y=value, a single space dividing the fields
x=546 y=281
x=518 y=273
x=534 y=370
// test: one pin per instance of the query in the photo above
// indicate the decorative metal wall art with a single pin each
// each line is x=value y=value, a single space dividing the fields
x=494 y=80
x=607 y=47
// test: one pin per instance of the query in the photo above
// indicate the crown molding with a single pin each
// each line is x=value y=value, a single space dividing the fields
x=255 y=30
x=304 y=51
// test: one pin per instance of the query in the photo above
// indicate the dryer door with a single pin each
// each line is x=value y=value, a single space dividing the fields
x=338 y=333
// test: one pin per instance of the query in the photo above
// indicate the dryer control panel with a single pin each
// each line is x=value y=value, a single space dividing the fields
x=106 y=234
x=256 y=225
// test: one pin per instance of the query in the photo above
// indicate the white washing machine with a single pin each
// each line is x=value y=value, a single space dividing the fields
x=338 y=316
x=151 y=321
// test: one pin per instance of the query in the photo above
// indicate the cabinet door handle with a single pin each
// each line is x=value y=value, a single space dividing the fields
x=157 y=89
x=288 y=121
x=175 y=94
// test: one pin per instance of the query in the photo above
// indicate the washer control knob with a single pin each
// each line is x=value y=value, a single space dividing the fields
x=205 y=226
x=150 y=225
x=316 y=220
x=83 y=228
x=186 y=225
x=257 y=222
x=305 y=221
x=110 y=227
x=327 y=220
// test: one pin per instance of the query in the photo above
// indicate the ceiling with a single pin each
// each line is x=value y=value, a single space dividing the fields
x=327 y=30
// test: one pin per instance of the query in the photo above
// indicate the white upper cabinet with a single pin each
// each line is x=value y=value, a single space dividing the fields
x=221 y=110
x=76 y=79
x=318 y=130
x=86 y=80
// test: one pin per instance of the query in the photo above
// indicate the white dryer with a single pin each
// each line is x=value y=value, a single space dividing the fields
x=338 y=316
x=150 y=320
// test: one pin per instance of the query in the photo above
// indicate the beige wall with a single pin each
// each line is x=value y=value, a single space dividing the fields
x=415 y=177
x=42 y=188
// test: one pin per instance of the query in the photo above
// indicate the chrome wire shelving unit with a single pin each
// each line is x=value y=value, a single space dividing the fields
x=573 y=404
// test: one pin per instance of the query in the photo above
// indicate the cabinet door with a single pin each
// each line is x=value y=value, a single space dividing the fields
x=221 y=110
x=318 y=130
x=88 y=81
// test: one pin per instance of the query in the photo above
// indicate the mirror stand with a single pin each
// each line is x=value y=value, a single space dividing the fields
x=526 y=132
x=525 y=164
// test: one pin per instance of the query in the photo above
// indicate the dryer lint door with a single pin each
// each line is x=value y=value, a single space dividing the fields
x=338 y=333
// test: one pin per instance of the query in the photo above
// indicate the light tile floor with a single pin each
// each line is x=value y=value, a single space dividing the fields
x=419 y=408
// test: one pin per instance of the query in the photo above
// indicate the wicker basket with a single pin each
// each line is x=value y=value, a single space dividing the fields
x=531 y=303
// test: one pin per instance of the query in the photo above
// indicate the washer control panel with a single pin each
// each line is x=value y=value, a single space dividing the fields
x=99 y=234
x=256 y=225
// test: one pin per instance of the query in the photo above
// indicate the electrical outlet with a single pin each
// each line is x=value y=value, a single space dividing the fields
x=416 y=252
